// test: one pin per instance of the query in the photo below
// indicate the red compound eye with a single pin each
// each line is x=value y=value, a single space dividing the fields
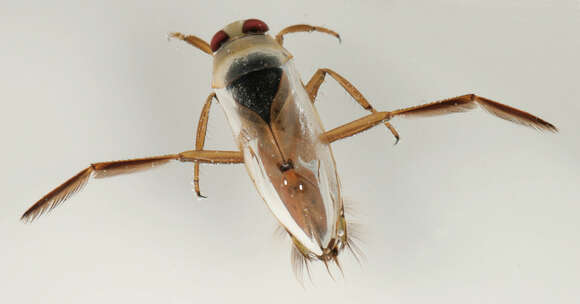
x=218 y=39
x=254 y=26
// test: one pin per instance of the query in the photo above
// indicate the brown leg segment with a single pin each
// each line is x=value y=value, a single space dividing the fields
x=356 y=126
x=194 y=41
x=452 y=105
x=200 y=139
x=304 y=28
x=106 y=169
x=470 y=101
x=317 y=80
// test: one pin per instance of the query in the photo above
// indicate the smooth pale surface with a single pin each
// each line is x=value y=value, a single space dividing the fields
x=466 y=208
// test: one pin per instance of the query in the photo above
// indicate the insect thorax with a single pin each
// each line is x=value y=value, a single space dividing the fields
x=254 y=81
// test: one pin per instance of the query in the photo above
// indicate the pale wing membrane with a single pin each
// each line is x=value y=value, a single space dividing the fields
x=468 y=102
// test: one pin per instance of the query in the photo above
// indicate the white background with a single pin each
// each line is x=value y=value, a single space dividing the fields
x=465 y=209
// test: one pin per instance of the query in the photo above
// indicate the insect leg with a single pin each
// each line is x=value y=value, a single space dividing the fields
x=304 y=28
x=452 y=105
x=356 y=126
x=112 y=168
x=470 y=101
x=200 y=139
x=319 y=77
x=194 y=41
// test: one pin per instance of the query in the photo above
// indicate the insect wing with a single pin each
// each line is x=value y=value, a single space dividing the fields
x=292 y=168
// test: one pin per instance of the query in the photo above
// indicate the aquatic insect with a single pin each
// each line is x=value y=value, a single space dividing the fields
x=280 y=137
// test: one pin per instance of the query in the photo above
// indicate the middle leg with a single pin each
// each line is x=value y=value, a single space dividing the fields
x=200 y=139
x=318 y=78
